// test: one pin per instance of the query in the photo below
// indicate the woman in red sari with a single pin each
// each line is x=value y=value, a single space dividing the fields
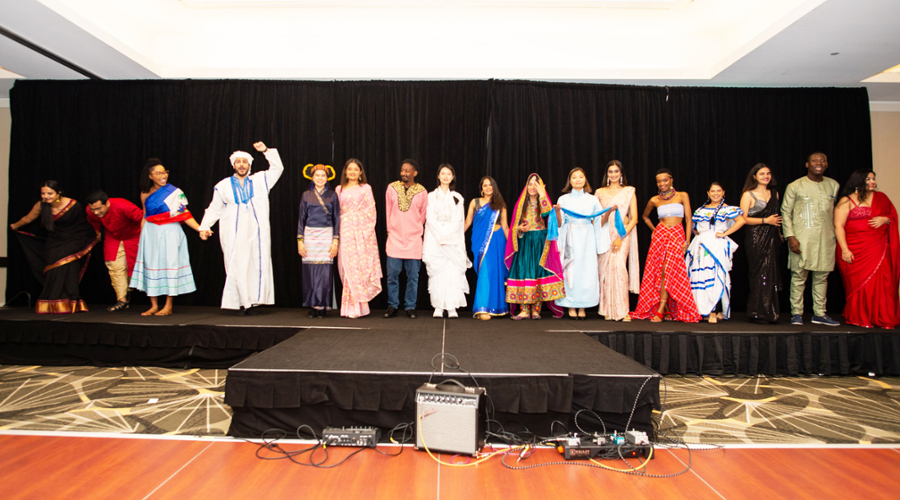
x=868 y=253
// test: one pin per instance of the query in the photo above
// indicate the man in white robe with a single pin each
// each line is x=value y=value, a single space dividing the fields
x=241 y=204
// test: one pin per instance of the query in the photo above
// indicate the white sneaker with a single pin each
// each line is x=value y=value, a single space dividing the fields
x=451 y=313
x=438 y=313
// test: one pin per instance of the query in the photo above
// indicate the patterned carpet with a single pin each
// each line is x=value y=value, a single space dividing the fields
x=700 y=410
x=783 y=410
x=115 y=400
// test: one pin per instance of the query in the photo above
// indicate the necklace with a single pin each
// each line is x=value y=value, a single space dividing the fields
x=668 y=195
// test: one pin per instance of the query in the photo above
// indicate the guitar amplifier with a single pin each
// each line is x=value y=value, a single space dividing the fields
x=450 y=419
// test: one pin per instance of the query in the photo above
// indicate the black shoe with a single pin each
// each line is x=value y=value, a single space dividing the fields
x=311 y=313
x=241 y=311
x=411 y=314
x=320 y=313
x=391 y=312
x=118 y=306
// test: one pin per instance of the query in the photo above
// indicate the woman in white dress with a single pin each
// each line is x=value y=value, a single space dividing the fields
x=709 y=255
x=581 y=240
x=444 y=246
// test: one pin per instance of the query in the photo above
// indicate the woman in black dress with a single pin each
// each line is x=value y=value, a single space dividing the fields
x=761 y=204
x=59 y=260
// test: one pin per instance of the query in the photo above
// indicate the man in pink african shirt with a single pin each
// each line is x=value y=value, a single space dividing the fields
x=405 y=215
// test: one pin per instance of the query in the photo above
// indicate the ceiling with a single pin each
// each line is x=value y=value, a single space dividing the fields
x=773 y=43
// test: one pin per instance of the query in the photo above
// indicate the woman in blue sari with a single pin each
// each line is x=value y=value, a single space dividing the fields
x=489 y=246
x=162 y=266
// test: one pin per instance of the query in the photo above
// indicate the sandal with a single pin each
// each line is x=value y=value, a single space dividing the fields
x=118 y=306
x=659 y=315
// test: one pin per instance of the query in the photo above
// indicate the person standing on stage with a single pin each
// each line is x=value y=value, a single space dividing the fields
x=535 y=268
x=808 y=225
x=121 y=221
x=444 y=247
x=241 y=203
x=761 y=203
x=407 y=202
x=581 y=240
x=865 y=223
x=358 y=261
x=318 y=239
x=620 y=266
x=163 y=265
x=487 y=218
x=665 y=285
x=709 y=255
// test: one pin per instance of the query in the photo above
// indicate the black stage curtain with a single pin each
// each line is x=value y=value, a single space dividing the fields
x=97 y=134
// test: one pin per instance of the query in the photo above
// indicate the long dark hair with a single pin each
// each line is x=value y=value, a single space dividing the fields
x=362 y=172
x=751 y=183
x=46 y=209
x=449 y=167
x=497 y=202
x=605 y=181
x=568 y=188
x=857 y=184
x=146 y=183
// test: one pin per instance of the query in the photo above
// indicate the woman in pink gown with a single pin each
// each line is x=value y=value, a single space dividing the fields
x=358 y=261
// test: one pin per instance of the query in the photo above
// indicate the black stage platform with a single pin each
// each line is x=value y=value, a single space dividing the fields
x=208 y=337
x=333 y=377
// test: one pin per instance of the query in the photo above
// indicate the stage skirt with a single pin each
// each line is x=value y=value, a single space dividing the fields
x=163 y=266
x=317 y=270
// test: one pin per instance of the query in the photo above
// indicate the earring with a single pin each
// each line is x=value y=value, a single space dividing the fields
x=607 y=181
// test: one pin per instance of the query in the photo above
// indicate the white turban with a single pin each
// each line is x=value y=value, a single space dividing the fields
x=240 y=154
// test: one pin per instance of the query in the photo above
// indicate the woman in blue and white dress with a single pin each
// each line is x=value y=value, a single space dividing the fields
x=581 y=240
x=709 y=255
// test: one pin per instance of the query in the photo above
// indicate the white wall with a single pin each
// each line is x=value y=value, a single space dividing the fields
x=886 y=152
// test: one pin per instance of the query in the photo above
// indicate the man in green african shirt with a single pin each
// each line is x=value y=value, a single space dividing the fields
x=808 y=225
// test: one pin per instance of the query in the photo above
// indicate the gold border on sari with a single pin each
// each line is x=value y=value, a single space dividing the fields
x=72 y=258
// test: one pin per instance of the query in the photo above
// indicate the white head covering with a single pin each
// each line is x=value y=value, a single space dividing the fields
x=240 y=154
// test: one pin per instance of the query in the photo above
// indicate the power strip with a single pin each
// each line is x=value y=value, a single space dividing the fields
x=586 y=447
x=356 y=437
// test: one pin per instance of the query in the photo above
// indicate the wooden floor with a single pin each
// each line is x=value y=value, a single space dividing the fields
x=49 y=467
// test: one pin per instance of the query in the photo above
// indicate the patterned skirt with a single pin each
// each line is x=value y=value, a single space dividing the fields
x=318 y=274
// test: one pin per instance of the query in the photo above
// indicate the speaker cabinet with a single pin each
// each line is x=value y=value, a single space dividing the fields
x=450 y=419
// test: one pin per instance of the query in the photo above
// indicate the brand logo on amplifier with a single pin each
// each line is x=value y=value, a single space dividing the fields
x=578 y=452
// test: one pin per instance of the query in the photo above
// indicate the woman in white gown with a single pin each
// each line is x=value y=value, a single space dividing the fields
x=444 y=246
x=709 y=255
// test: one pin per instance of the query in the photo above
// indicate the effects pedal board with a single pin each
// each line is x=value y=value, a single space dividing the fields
x=634 y=444
x=356 y=437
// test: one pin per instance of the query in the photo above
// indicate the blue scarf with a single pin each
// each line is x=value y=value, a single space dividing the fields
x=553 y=225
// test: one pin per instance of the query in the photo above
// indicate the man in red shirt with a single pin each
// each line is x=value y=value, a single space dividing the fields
x=122 y=221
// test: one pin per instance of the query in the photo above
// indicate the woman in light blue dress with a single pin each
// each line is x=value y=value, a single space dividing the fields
x=581 y=240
